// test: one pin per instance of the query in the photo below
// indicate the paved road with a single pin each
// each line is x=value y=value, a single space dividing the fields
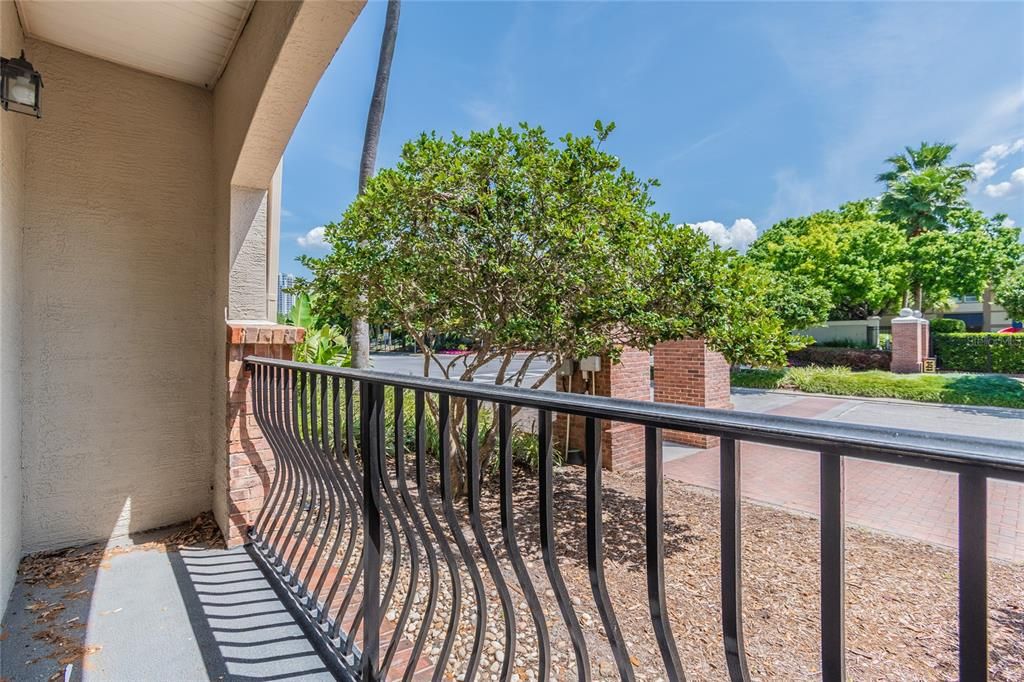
x=410 y=363
x=973 y=421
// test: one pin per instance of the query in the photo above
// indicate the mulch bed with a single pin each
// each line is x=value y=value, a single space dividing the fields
x=901 y=595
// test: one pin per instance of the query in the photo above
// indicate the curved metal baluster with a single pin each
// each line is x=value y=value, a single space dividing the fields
x=284 y=457
x=371 y=439
x=448 y=507
x=314 y=540
x=428 y=548
x=656 y=555
x=473 y=474
x=294 y=502
x=595 y=550
x=315 y=485
x=271 y=428
x=508 y=529
x=354 y=476
x=284 y=467
x=300 y=424
x=337 y=504
x=340 y=464
x=414 y=558
x=442 y=542
x=261 y=410
x=547 y=546
x=391 y=539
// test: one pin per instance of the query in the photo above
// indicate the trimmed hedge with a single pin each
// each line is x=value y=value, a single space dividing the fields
x=1000 y=353
x=854 y=358
x=951 y=389
x=948 y=325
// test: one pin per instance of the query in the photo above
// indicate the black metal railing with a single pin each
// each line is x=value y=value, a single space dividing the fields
x=398 y=576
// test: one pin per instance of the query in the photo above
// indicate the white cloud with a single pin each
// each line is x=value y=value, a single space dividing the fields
x=1000 y=189
x=1001 y=151
x=985 y=169
x=741 y=235
x=1009 y=222
x=313 y=239
x=989 y=166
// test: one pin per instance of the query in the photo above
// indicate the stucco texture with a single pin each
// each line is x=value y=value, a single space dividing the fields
x=118 y=275
x=12 y=162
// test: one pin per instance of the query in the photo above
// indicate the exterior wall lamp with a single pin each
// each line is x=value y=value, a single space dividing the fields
x=19 y=86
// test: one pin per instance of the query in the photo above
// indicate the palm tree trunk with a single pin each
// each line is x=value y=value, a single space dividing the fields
x=367 y=165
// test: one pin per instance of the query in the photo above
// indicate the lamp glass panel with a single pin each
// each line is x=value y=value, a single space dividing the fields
x=20 y=89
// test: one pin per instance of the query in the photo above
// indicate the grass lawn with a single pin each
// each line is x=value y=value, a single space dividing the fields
x=952 y=389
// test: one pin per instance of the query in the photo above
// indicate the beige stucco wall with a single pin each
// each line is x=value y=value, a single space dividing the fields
x=247 y=280
x=118 y=281
x=124 y=257
x=12 y=162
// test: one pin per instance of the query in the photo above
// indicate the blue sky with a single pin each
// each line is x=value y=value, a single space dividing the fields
x=747 y=113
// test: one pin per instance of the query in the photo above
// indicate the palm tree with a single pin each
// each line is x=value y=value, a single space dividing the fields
x=921 y=190
x=371 y=139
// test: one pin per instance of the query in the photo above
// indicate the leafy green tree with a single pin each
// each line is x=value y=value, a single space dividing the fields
x=1010 y=293
x=969 y=258
x=923 y=193
x=524 y=244
x=850 y=260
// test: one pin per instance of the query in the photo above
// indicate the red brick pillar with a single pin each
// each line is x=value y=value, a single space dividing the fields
x=243 y=475
x=687 y=372
x=622 y=445
x=909 y=342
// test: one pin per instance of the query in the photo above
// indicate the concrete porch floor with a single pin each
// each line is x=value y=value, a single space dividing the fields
x=143 y=614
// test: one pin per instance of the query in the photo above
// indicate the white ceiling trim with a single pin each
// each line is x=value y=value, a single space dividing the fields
x=188 y=41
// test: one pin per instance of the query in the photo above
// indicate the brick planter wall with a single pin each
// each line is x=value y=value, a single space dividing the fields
x=622 y=445
x=246 y=467
x=687 y=372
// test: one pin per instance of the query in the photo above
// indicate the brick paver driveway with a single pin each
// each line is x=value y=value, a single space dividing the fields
x=906 y=501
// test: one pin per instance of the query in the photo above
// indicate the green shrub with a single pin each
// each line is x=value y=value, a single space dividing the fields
x=758 y=378
x=854 y=358
x=951 y=389
x=1000 y=353
x=948 y=325
x=844 y=343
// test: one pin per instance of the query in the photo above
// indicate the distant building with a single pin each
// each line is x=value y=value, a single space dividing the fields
x=285 y=300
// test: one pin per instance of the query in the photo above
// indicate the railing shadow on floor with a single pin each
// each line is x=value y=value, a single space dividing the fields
x=242 y=627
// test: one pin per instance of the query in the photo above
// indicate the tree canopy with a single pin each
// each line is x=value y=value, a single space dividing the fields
x=921 y=237
x=855 y=263
x=527 y=244
x=1010 y=293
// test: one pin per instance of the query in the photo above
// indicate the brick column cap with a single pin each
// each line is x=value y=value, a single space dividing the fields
x=246 y=331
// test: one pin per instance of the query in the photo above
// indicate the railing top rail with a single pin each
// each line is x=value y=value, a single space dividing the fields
x=1000 y=458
